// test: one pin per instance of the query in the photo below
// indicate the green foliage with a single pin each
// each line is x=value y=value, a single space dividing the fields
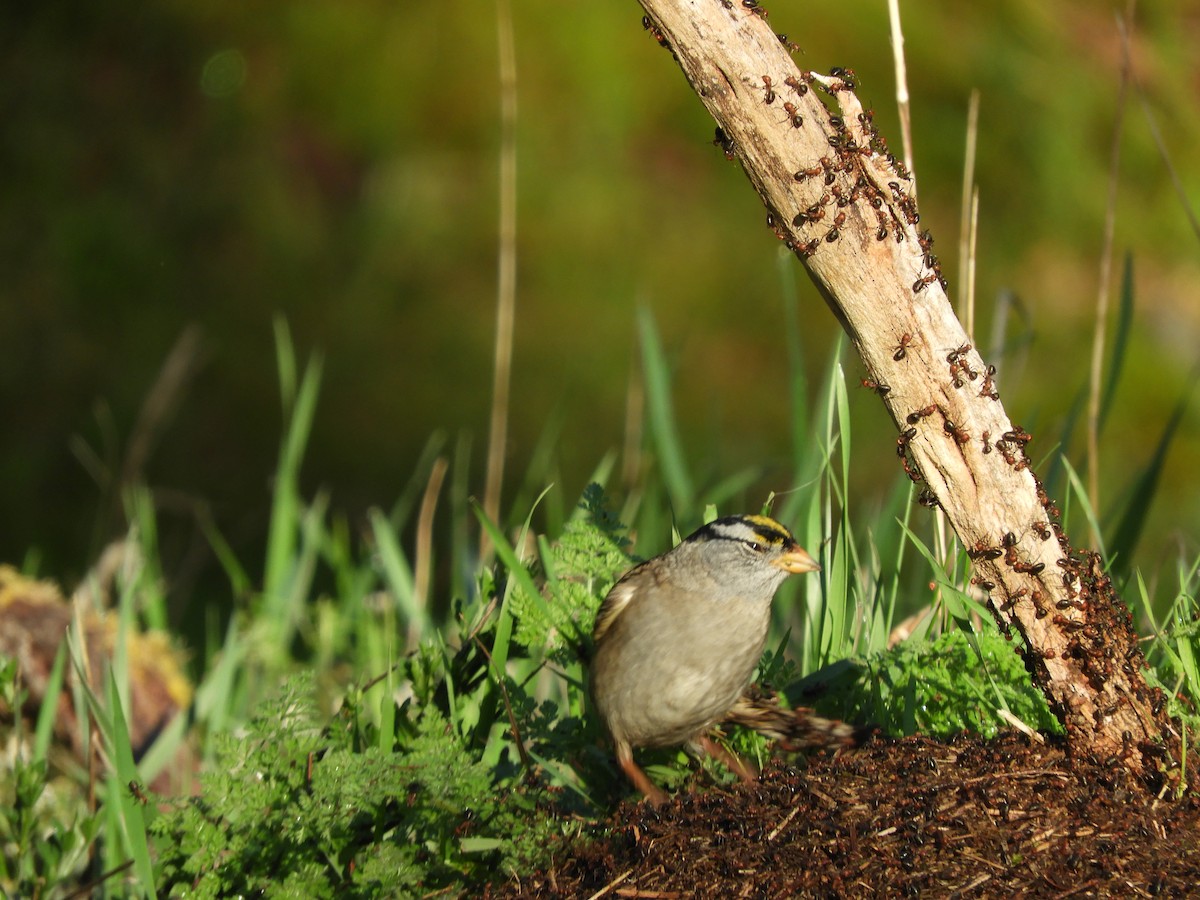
x=578 y=569
x=472 y=754
x=1174 y=656
x=938 y=688
x=46 y=829
x=296 y=808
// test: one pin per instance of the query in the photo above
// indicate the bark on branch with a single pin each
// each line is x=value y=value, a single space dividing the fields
x=845 y=206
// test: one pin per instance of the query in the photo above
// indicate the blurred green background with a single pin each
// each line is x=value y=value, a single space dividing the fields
x=206 y=164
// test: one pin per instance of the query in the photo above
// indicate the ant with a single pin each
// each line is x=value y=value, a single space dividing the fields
x=953 y=355
x=655 y=32
x=958 y=432
x=1042 y=530
x=849 y=79
x=989 y=387
x=805 y=174
x=793 y=115
x=987 y=447
x=981 y=550
x=902 y=348
x=902 y=452
x=135 y=789
x=1012 y=598
x=919 y=414
x=753 y=6
x=877 y=387
x=725 y=142
x=1018 y=435
x=798 y=86
x=809 y=248
x=814 y=213
x=920 y=284
x=791 y=46
x=770 y=98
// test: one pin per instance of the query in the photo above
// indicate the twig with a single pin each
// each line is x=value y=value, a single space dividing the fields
x=87 y=889
x=612 y=884
x=526 y=763
x=843 y=204
x=782 y=825
x=172 y=381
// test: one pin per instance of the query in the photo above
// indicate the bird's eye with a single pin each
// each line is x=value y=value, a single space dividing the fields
x=755 y=546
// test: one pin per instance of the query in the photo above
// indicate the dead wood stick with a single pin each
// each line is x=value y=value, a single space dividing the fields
x=844 y=205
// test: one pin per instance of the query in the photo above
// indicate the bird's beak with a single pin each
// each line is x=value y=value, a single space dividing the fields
x=796 y=561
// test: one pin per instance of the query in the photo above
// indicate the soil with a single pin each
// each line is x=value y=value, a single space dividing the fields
x=912 y=817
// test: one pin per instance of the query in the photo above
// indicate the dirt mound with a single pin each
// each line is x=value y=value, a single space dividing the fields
x=967 y=818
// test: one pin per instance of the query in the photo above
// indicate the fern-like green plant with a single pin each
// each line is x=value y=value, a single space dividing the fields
x=293 y=808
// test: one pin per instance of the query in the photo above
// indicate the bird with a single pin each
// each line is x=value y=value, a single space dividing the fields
x=677 y=638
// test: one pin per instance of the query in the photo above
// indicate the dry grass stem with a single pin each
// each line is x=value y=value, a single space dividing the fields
x=902 y=101
x=506 y=287
x=965 y=222
x=1095 y=386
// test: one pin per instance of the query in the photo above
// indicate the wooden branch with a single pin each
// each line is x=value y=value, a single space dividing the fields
x=838 y=199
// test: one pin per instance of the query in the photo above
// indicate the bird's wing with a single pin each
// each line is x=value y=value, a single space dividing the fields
x=614 y=604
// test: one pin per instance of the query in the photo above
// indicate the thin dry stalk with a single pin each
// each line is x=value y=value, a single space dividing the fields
x=965 y=220
x=162 y=401
x=902 y=103
x=972 y=235
x=1155 y=132
x=506 y=288
x=423 y=564
x=1104 y=287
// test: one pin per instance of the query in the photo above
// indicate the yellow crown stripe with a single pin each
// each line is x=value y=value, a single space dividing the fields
x=768 y=529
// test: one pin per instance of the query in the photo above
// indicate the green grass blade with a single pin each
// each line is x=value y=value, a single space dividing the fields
x=132 y=816
x=1080 y=494
x=286 y=503
x=797 y=377
x=398 y=574
x=48 y=713
x=662 y=416
x=1129 y=527
x=1120 y=347
x=512 y=562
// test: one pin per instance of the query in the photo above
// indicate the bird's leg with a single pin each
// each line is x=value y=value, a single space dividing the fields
x=742 y=769
x=656 y=795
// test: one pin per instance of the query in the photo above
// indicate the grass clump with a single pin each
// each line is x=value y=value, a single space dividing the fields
x=294 y=807
x=952 y=683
